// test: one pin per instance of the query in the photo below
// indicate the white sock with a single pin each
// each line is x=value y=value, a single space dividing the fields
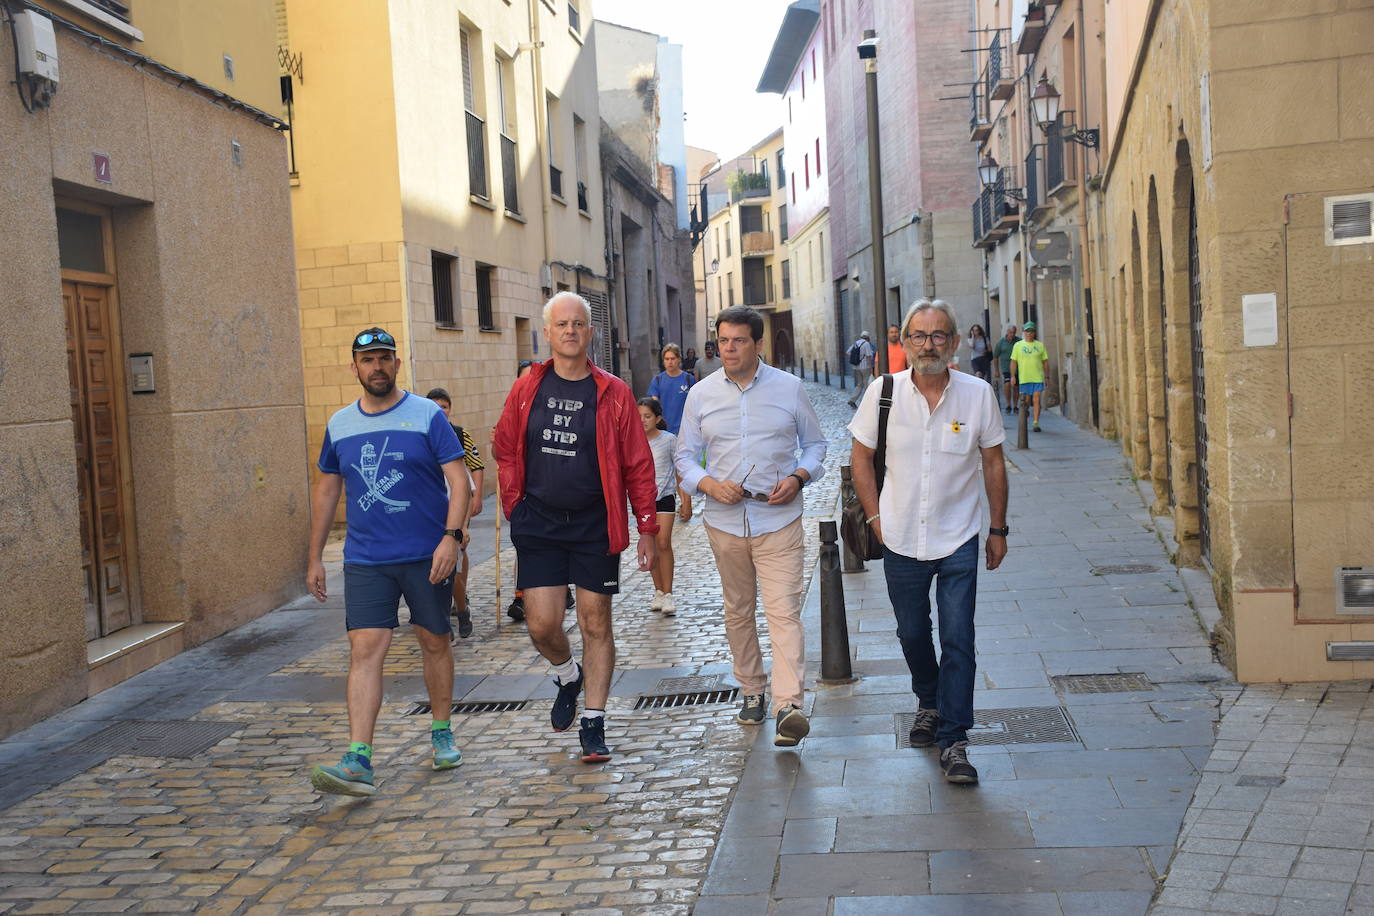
x=566 y=673
x=594 y=714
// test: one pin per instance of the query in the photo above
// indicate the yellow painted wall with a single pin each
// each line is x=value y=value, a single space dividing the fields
x=194 y=35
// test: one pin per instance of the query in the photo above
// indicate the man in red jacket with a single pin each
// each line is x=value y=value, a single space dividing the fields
x=569 y=448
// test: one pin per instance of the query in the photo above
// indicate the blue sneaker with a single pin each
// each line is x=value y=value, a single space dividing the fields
x=565 y=706
x=446 y=753
x=353 y=776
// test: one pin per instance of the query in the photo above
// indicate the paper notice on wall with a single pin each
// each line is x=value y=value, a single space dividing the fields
x=1260 y=314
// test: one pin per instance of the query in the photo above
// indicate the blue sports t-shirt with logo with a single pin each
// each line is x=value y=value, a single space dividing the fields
x=672 y=395
x=393 y=482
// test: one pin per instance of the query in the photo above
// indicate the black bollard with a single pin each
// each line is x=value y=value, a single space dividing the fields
x=815 y=376
x=835 y=664
x=827 y=373
x=1022 y=439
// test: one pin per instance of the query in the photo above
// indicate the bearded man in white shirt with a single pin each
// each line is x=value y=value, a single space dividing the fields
x=941 y=428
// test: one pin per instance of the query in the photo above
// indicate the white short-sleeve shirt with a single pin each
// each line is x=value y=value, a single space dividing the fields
x=931 y=502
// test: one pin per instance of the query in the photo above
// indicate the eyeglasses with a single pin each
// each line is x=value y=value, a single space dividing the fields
x=749 y=494
x=363 y=340
x=939 y=338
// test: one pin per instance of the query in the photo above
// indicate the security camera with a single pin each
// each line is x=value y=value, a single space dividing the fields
x=868 y=49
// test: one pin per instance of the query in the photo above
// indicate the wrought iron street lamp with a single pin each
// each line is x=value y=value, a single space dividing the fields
x=1045 y=106
x=988 y=173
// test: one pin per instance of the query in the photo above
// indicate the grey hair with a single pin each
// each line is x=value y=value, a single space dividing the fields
x=926 y=305
x=1010 y=327
x=564 y=296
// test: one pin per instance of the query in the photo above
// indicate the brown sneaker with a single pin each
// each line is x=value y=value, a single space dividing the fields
x=954 y=764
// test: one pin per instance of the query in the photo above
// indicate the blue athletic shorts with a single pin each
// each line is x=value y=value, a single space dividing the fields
x=558 y=547
x=372 y=597
x=1031 y=387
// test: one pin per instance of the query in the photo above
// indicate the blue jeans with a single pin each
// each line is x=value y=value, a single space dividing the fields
x=945 y=685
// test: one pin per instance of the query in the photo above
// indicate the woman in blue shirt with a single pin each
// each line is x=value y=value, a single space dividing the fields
x=670 y=387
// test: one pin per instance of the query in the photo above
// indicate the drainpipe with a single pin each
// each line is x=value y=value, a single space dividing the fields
x=541 y=120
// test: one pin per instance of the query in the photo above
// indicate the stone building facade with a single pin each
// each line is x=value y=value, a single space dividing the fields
x=151 y=405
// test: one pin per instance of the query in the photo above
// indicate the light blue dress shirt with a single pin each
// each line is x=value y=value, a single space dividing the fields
x=761 y=426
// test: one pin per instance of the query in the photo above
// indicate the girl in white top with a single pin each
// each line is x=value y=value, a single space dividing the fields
x=663 y=444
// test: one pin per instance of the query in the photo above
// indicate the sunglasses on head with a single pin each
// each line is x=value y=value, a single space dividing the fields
x=363 y=340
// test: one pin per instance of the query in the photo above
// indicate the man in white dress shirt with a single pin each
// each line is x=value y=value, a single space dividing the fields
x=750 y=421
x=942 y=427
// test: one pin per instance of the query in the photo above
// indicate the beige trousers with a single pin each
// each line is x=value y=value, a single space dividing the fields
x=771 y=564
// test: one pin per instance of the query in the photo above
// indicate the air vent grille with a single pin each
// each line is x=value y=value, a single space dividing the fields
x=1350 y=219
x=1350 y=651
x=1355 y=590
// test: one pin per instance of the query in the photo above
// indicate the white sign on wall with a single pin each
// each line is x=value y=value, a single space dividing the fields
x=1260 y=316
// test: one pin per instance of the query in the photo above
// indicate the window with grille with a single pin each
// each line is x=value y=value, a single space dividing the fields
x=486 y=316
x=787 y=279
x=442 y=272
x=782 y=176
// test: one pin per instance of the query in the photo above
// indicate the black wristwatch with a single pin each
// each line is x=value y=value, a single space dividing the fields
x=456 y=534
x=1003 y=531
x=800 y=483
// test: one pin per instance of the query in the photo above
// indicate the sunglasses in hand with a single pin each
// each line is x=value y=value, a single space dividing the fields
x=750 y=494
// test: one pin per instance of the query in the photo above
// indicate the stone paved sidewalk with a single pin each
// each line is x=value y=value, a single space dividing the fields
x=1080 y=822
x=1281 y=820
x=523 y=826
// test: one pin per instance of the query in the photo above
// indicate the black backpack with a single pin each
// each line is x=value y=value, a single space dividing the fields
x=856 y=354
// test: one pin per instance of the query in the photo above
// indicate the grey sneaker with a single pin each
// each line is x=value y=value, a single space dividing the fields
x=923 y=728
x=751 y=713
x=792 y=727
x=954 y=764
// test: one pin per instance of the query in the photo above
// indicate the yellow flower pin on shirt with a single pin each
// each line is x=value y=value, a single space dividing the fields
x=955 y=427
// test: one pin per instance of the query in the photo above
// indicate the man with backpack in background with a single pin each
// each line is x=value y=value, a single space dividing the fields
x=861 y=354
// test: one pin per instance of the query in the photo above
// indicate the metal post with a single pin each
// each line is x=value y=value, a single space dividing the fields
x=852 y=561
x=827 y=373
x=835 y=664
x=1022 y=409
x=875 y=202
x=815 y=376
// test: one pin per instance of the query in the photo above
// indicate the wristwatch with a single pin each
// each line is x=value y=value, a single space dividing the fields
x=456 y=534
x=1003 y=531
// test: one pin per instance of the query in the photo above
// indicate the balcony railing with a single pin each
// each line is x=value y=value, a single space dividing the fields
x=978 y=124
x=1034 y=189
x=1060 y=163
x=555 y=181
x=995 y=212
x=582 y=197
x=756 y=244
x=477 y=156
x=997 y=77
x=510 y=175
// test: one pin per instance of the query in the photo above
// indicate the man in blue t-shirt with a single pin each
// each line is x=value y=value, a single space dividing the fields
x=392 y=453
x=670 y=387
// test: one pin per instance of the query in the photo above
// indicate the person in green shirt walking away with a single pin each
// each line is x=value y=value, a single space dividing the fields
x=1002 y=352
x=1028 y=358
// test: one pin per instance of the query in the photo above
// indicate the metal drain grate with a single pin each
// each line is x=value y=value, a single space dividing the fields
x=467 y=709
x=159 y=738
x=1018 y=725
x=693 y=684
x=695 y=698
x=1101 y=683
x=1125 y=569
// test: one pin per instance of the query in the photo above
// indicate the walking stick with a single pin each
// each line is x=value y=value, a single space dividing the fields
x=498 y=562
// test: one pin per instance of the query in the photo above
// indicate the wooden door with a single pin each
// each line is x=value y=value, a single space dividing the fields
x=91 y=359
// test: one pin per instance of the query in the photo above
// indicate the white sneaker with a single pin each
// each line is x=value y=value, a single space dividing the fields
x=669 y=608
x=657 y=603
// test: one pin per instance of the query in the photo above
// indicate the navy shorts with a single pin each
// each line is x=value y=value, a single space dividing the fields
x=372 y=597
x=558 y=547
x=667 y=503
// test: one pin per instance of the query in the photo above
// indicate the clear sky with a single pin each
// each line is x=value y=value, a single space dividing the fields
x=725 y=44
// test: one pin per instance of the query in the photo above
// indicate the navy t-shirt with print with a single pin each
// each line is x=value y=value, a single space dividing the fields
x=561 y=469
x=397 y=500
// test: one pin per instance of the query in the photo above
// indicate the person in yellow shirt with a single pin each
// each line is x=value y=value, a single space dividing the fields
x=1028 y=360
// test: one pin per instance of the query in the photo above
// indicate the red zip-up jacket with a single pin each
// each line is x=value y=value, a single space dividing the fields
x=622 y=450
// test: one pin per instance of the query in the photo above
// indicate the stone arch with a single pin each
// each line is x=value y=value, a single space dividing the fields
x=1178 y=331
x=1156 y=355
x=1135 y=335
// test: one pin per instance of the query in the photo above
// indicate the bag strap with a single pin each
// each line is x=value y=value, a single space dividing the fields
x=880 y=453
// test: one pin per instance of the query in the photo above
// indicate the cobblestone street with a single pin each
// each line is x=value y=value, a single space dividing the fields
x=523 y=826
